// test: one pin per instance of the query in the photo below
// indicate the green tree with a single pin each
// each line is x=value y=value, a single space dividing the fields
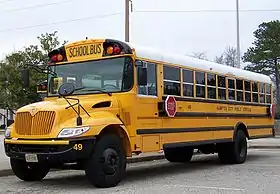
x=12 y=93
x=264 y=55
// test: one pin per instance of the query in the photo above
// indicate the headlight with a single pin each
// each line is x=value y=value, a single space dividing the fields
x=8 y=132
x=70 y=132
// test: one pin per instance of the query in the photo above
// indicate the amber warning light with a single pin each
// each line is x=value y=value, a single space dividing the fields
x=113 y=50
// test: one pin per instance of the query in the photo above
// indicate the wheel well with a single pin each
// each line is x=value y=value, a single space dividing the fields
x=119 y=131
x=241 y=126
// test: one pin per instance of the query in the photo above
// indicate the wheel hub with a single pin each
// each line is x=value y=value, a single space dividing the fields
x=110 y=160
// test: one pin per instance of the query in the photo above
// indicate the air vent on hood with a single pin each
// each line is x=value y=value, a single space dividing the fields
x=102 y=104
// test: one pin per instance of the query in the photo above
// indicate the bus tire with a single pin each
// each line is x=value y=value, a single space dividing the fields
x=29 y=171
x=179 y=154
x=107 y=164
x=234 y=152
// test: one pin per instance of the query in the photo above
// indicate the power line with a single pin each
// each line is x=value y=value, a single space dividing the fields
x=59 y=22
x=36 y=6
x=214 y=10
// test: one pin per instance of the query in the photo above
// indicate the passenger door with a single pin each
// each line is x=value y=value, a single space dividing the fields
x=147 y=107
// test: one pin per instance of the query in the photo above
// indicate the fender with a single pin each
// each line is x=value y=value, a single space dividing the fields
x=108 y=122
x=240 y=126
x=100 y=120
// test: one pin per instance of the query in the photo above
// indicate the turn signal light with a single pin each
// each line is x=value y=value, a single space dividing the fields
x=113 y=50
x=109 y=50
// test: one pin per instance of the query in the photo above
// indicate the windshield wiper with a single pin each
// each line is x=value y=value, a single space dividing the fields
x=93 y=90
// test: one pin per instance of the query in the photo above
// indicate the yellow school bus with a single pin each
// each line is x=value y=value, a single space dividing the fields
x=108 y=99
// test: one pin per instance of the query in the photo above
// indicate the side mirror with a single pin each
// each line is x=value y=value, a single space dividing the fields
x=142 y=76
x=25 y=77
x=42 y=87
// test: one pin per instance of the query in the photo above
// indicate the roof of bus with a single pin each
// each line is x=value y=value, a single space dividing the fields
x=186 y=61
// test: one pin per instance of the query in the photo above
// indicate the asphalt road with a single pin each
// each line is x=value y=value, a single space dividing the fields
x=260 y=174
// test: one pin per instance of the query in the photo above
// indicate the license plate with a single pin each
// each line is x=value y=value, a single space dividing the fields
x=31 y=158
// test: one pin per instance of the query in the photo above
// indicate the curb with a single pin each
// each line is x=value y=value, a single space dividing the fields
x=264 y=147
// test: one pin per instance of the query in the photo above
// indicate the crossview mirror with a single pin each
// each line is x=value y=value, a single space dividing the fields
x=142 y=76
x=66 y=89
x=25 y=77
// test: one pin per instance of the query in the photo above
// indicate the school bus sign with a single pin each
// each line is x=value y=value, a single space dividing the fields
x=170 y=106
x=84 y=51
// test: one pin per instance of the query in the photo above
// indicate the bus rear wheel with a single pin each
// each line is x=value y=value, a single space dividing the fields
x=29 y=171
x=179 y=154
x=234 y=152
x=107 y=165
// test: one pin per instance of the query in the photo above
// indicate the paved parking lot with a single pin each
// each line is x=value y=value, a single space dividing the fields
x=260 y=174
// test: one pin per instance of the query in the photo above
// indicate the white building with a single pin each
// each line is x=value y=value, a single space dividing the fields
x=3 y=116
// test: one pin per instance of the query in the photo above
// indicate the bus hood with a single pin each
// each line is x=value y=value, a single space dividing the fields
x=47 y=118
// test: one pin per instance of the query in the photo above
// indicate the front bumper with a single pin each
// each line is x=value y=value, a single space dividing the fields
x=62 y=151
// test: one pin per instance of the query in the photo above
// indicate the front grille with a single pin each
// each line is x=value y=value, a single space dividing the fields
x=40 y=124
x=38 y=148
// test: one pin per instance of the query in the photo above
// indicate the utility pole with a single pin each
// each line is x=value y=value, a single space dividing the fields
x=237 y=34
x=127 y=20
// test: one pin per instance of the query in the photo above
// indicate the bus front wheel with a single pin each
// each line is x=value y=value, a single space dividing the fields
x=29 y=171
x=234 y=152
x=107 y=165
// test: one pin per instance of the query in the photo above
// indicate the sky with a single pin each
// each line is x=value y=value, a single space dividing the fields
x=180 y=26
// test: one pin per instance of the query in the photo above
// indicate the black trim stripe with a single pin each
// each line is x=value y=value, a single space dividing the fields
x=182 y=130
x=196 y=143
x=205 y=114
x=260 y=126
x=261 y=136
x=217 y=101
x=197 y=129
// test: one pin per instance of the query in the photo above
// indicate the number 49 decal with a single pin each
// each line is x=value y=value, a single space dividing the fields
x=78 y=147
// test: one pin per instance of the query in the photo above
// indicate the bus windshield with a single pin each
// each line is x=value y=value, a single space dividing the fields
x=107 y=75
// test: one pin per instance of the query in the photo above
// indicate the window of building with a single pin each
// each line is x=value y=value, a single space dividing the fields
x=231 y=89
x=221 y=87
x=188 y=83
x=211 y=86
x=171 y=76
x=151 y=87
x=247 y=91
x=239 y=90
x=200 y=84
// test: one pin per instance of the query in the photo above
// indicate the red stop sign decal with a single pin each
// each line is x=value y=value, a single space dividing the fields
x=170 y=106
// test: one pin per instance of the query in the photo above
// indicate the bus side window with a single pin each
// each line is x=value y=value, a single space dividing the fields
x=268 y=93
x=151 y=88
x=239 y=89
x=172 y=80
x=221 y=87
x=247 y=91
x=262 y=93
